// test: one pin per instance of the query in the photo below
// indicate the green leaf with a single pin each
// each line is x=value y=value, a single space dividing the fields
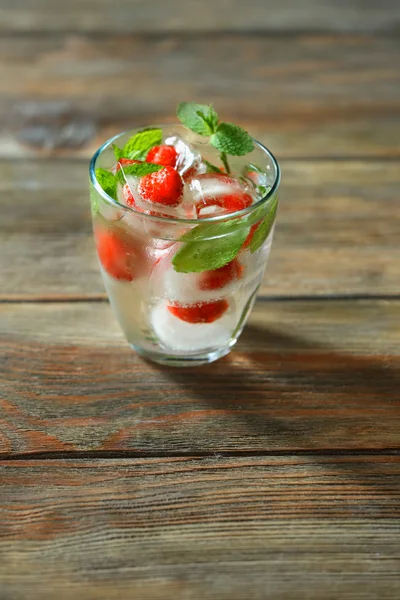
x=210 y=117
x=119 y=153
x=264 y=229
x=107 y=181
x=209 y=231
x=139 y=145
x=137 y=170
x=262 y=190
x=199 y=254
x=200 y=118
x=232 y=139
x=211 y=168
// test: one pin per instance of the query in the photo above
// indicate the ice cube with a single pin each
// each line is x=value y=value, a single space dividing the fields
x=211 y=189
x=188 y=158
x=179 y=335
x=186 y=288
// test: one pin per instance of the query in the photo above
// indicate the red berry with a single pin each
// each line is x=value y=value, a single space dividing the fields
x=205 y=312
x=128 y=197
x=234 y=202
x=121 y=256
x=219 y=278
x=124 y=162
x=162 y=155
x=163 y=187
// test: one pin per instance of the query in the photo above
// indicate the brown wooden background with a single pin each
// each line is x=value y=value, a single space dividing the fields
x=274 y=473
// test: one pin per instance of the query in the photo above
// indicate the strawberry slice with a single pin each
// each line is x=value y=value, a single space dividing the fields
x=124 y=162
x=203 y=312
x=219 y=278
x=162 y=155
x=163 y=187
x=121 y=256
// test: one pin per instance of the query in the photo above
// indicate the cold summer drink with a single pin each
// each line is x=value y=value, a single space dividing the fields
x=183 y=219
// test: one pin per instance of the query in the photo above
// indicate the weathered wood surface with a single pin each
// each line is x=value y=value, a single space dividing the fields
x=216 y=528
x=304 y=376
x=273 y=473
x=338 y=230
x=303 y=95
x=125 y=16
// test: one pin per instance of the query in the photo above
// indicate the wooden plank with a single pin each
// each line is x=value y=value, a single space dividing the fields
x=303 y=95
x=304 y=376
x=259 y=528
x=337 y=232
x=128 y=16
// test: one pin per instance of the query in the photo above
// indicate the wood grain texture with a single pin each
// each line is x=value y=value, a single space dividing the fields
x=303 y=95
x=126 y=16
x=338 y=230
x=304 y=376
x=257 y=528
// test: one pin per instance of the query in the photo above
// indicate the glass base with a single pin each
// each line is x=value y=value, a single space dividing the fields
x=183 y=361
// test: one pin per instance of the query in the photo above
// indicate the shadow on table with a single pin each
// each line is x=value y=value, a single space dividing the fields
x=289 y=391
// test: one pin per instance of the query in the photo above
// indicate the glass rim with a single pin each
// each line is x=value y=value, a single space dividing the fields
x=224 y=217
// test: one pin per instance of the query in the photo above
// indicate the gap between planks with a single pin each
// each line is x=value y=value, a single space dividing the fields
x=182 y=34
x=131 y=454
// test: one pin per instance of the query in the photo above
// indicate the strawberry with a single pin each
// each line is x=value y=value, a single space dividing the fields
x=121 y=256
x=124 y=162
x=163 y=187
x=234 y=202
x=219 y=278
x=204 y=312
x=128 y=197
x=162 y=155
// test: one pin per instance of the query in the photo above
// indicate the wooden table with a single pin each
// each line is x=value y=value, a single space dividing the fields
x=273 y=473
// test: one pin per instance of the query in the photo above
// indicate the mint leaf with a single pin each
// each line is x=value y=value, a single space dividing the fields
x=119 y=153
x=209 y=231
x=138 y=146
x=232 y=139
x=199 y=254
x=211 y=168
x=137 y=170
x=264 y=229
x=210 y=117
x=200 y=118
x=107 y=181
x=262 y=190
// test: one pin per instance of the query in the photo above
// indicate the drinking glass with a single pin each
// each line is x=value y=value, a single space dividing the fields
x=137 y=256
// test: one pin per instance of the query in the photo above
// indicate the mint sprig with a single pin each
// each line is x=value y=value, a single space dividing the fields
x=107 y=181
x=232 y=139
x=137 y=170
x=225 y=137
x=118 y=152
x=209 y=246
x=138 y=145
x=200 y=118
x=264 y=228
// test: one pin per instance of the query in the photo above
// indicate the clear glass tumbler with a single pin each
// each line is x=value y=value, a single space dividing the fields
x=142 y=264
